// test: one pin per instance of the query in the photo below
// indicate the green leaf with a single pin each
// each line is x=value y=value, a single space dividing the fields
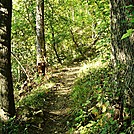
x=128 y=34
x=132 y=123
x=132 y=20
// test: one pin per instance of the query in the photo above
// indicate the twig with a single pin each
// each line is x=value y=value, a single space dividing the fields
x=20 y=65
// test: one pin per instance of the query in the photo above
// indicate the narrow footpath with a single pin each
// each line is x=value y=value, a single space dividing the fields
x=58 y=102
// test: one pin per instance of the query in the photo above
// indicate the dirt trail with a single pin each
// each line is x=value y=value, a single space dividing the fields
x=58 y=101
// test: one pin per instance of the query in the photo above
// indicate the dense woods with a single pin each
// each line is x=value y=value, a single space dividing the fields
x=66 y=67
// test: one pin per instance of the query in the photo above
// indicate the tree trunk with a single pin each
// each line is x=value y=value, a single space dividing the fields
x=40 y=38
x=76 y=43
x=54 y=44
x=7 y=106
x=53 y=34
x=123 y=52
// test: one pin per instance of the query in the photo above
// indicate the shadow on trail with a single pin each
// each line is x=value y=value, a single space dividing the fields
x=59 y=102
x=55 y=111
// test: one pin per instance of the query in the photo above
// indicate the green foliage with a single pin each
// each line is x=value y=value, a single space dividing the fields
x=130 y=15
x=23 y=39
x=92 y=97
x=12 y=126
x=74 y=31
x=34 y=99
x=89 y=22
x=35 y=96
x=96 y=101
x=31 y=102
x=128 y=34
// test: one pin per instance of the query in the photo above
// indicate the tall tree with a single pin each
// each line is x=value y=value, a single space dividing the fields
x=7 y=106
x=123 y=51
x=40 y=39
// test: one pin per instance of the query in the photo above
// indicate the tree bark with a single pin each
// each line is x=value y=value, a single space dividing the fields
x=40 y=37
x=7 y=106
x=123 y=51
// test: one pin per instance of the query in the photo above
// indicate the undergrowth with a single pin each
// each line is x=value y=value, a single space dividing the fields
x=95 y=106
x=30 y=103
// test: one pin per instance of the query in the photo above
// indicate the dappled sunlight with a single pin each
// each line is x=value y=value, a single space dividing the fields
x=51 y=98
x=49 y=85
x=63 y=111
x=62 y=63
x=95 y=64
x=3 y=115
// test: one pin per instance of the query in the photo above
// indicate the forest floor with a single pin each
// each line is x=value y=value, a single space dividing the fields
x=58 y=102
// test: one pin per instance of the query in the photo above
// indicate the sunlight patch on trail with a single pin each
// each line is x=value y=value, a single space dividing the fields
x=92 y=65
x=58 y=104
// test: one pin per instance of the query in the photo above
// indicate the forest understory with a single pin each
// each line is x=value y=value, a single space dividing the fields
x=52 y=115
x=67 y=67
x=74 y=99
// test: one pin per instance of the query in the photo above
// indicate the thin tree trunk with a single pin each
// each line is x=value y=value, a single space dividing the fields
x=7 y=106
x=40 y=37
x=76 y=43
x=54 y=45
x=53 y=35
